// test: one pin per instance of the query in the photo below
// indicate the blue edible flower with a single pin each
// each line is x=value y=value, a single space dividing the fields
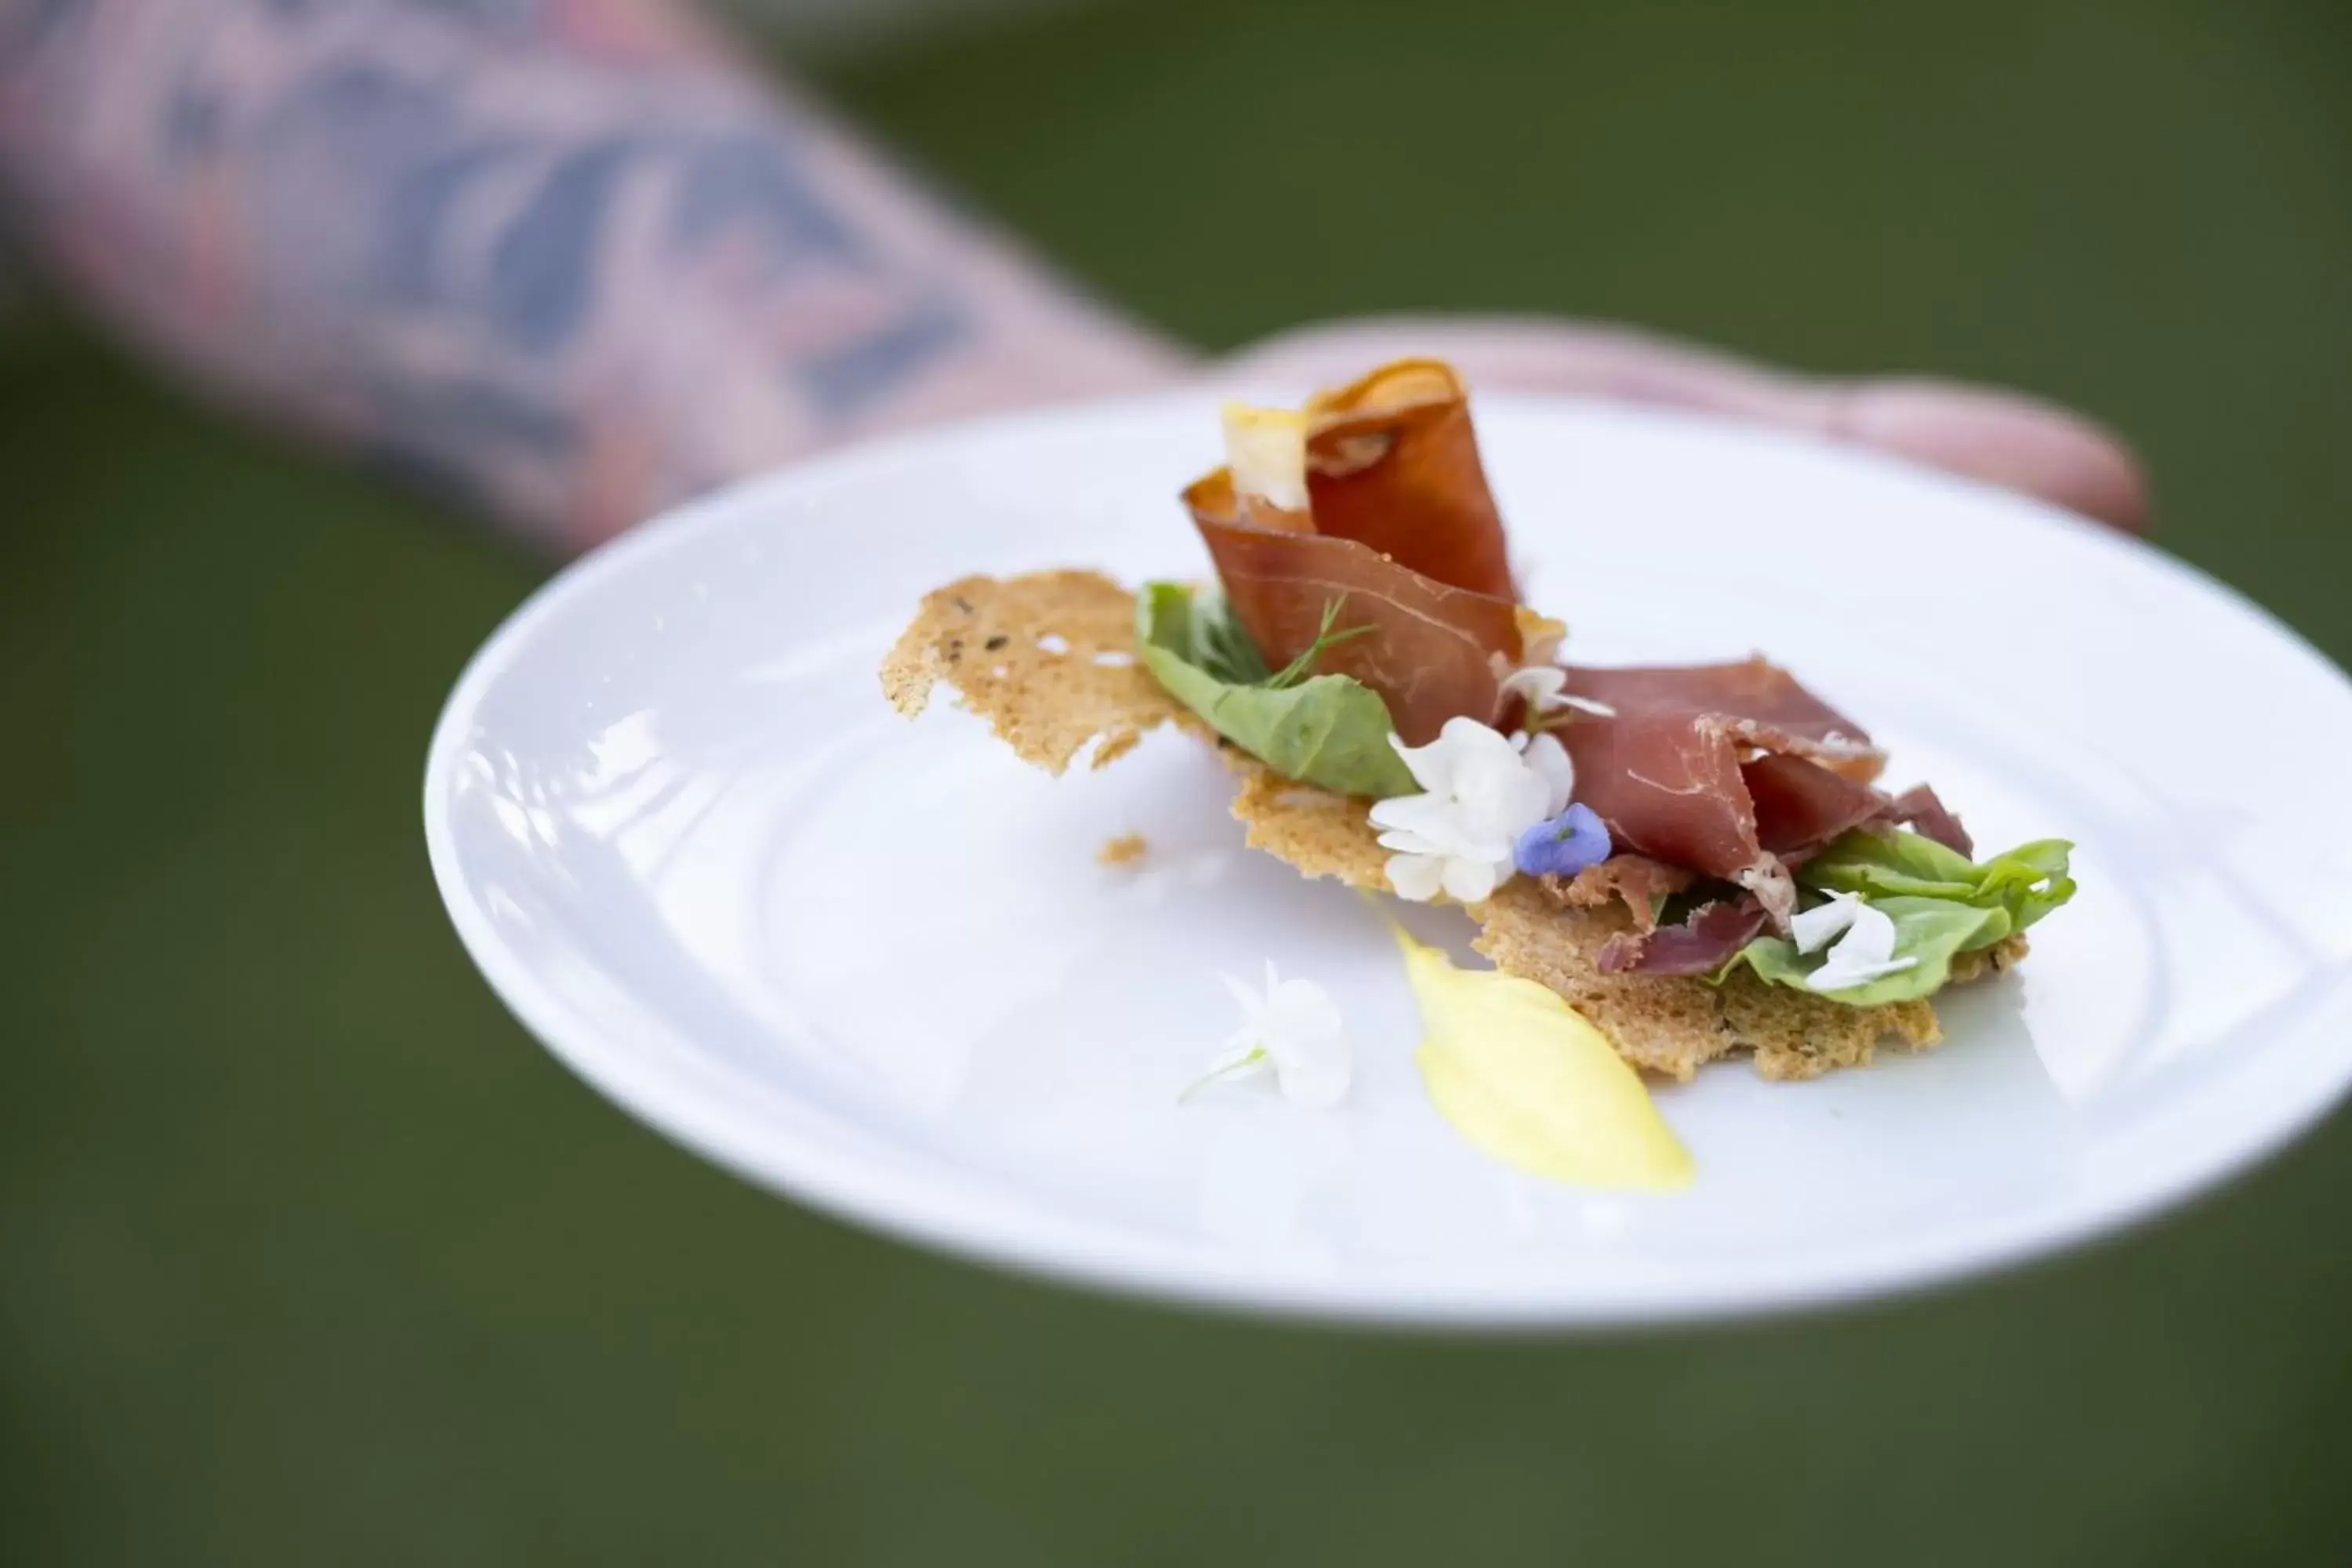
x=1566 y=845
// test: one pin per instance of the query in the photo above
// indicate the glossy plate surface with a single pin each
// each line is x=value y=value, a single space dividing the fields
x=877 y=966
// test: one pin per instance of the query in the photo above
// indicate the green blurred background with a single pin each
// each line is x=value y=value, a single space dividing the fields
x=307 y=1254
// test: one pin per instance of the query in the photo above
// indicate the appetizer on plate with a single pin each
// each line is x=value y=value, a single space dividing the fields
x=1699 y=860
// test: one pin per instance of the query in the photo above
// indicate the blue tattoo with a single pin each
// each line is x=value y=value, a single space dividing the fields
x=542 y=268
x=418 y=210
x=414 y=211
x=845 y=382
x=27 y=29
x=751 y=182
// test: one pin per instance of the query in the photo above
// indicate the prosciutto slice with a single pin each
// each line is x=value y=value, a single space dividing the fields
x=1699 y=945
x=1762 y=707
x=1435 y=651
x=1724 y=768
x=1638 y=882
x=1392 y=463
x=1399 y=530
x=1801 y=805
x=1919 y=807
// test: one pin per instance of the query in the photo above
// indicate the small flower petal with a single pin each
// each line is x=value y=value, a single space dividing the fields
x=1316 y=1074
x=1252 y=1004
x=1499 y=797
x=1564 y=846
x=1302 y=1011
x=1482 y=790
x=1428 y=816
x=1870 y=939
x=1432 y=766
x=1550 y=762
x=1865 y=952
x=1540 y=685
x=1416 y=877
x=1294 y=1027
x=1814 y=928
x=1469 y=881
x=1835 y=976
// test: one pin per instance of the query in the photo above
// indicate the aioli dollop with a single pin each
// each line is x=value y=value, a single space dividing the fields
x=1532 y=1082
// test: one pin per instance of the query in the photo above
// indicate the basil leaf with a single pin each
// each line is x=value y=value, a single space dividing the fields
x=1331 y=731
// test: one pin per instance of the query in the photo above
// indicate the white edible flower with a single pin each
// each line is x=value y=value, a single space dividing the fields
x=1865 y=942
x=1550 y=759
x=1293 y=1027
x=1545 y=689
x=1812 y=929
x=1480 y=790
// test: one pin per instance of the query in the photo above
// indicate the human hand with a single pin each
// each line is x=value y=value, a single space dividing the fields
x=1999 y=438
x=591 y=264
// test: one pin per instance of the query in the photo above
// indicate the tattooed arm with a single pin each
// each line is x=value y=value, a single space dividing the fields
x=564 y=256
x=572 y=260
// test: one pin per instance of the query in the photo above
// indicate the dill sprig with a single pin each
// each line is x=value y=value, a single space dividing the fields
x=1326 y=639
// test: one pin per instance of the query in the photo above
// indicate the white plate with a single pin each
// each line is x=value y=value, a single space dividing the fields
x=877 y=966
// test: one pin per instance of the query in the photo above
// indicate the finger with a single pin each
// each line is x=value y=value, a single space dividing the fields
x=1998 y=438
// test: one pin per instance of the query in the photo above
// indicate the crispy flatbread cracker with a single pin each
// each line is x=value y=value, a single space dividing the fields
x=1676 y=1023
x=1999 y=959
x=1321 y=834
x=1048 y=659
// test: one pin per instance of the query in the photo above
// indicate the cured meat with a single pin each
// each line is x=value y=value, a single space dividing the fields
x=1722 y=768
x=1639 y=882
x=1373 y=497
x=1392 y=463
x=1919 y=807
x=1764 y=705
x=1802 y=806
x=1667 y=785
x=1435 y=651
x=1373 y=500
x=1699 y=945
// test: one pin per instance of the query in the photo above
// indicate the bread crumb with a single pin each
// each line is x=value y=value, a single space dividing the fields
x=1124 y=850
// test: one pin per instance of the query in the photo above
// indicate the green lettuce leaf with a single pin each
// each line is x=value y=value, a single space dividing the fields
x=2028 y=882
x=1329 y=730
x=1932 y=931
x=1943 y=904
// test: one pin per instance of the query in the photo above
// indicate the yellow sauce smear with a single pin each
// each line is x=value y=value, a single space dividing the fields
x=1528 y=1079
